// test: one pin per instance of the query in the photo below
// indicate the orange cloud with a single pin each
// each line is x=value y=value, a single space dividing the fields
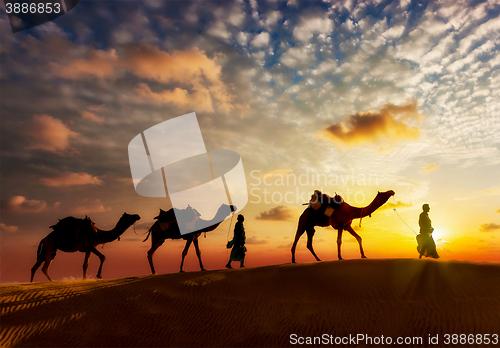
x=180 y=97
x=8 y=229
x=387 y=124
x=255 y=241
x=99 y=63
x=431 y=167
x=49 y=134
x=71 y=179
x=489 y=227
x=199 y=76
x=94 y=207
x=19 y=204
x=93 y=117
x=279 y=213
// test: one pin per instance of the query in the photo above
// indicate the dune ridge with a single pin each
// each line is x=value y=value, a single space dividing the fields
x=257 y=306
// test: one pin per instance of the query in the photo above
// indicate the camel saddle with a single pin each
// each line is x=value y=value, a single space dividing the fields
x=188 y=217
x=79 y=229
x=71 y=222
x=323 y=203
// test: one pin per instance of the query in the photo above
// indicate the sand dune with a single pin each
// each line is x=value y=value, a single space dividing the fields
x=258 y=306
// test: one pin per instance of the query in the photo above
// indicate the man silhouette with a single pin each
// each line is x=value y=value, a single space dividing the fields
x=426 y=246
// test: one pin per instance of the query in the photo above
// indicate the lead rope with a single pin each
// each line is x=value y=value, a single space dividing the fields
x=229 y=230
x=402 y=218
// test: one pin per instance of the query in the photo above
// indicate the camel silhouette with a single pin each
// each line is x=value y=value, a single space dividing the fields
x=71 y=234
x=340 y=220
x=167 y=228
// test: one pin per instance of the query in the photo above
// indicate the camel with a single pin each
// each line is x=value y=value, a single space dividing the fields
x=171 y=231
x=71 y=234
x=340 y=220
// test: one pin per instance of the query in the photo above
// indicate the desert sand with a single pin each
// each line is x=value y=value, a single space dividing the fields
x=259 y=306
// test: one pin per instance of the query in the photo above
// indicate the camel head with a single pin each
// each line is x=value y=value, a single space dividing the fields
x=226 y=210
x=383 y=197
x=129 y=219
x=386 y=193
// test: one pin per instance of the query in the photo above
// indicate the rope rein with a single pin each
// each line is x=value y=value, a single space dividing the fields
x=405 y=222
x=229 y=230
x=402 y=218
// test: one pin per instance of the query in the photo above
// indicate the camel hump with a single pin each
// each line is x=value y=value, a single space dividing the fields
x=183 y=214
x=326 y=204
x=70 y=223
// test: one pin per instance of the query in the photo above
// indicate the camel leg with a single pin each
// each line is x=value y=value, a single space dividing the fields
x=185 y=251
x=35 y=267
x=86 y=264
x=310 y=236
x=301 y=228
x=45 y=268
x=339 y=241
x=155 y=244
x=198 y=252
x=101 y=257
x=358 y=238
x=294 y=246
x=45 y=252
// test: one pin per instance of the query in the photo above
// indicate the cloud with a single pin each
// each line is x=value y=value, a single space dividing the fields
x=279 y=213
x=261 y=40
x=195 y=75
x=93 y=117
x=19 y=204
x=71 y=179
x=385 y=125
x=272 y=18
x=8 y=229
x=219 y=29
x=255 y=241
x=93 y=207
x=97 y=63
x=498 y=211
x=489 y=227
x=396 y=205
x=309 y=26
x=431 y=167
x=178 y=97
x=297 y=56
x=49 y=134
x=191 y=69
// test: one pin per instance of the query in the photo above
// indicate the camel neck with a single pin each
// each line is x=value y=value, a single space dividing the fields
x=356 y=212
x=106 y=236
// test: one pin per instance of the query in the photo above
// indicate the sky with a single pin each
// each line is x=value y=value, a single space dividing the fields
x=349 y=97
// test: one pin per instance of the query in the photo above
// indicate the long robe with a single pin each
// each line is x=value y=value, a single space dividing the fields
x=238 y=243
x=426 y=245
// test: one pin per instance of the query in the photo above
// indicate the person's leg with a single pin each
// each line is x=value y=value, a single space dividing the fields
x=423 y=249
x=229 y=264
